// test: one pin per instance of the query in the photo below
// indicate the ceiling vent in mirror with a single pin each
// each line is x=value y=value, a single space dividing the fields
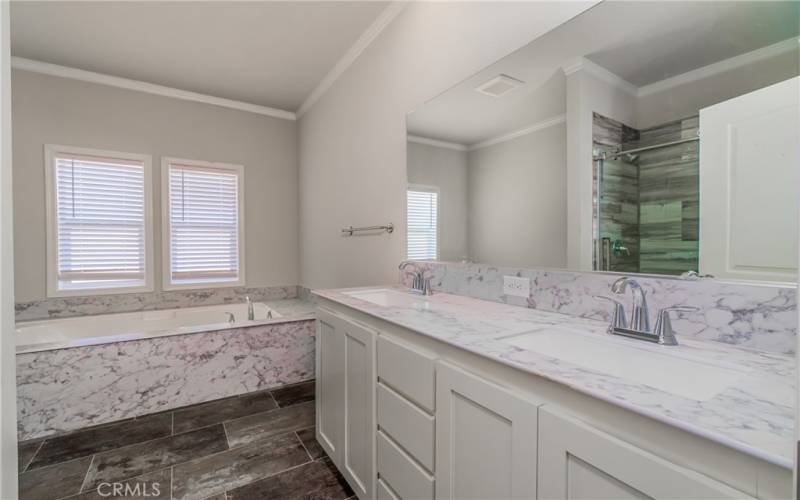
x=499 y=86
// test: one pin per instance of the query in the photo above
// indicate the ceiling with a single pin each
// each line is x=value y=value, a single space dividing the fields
x=267 y=53
x=710 y=32
x=642 y=42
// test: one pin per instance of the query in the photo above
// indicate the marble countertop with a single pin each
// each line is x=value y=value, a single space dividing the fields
x=755 y=415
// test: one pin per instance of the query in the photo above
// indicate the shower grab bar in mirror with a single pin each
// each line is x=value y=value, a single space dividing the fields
x=349 y=230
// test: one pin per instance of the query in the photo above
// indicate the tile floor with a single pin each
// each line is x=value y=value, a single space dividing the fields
x=255 y=446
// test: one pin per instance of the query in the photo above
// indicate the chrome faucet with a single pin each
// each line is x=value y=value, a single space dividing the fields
x=251 y=315
x=420 y=283
x=640 y=316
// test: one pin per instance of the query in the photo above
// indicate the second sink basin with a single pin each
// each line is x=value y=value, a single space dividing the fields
x=386 y=297
x=648 y=364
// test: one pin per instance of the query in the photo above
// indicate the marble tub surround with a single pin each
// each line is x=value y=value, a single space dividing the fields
x=67 y=307
x=188 y=454
x=754 y=415
x=65 y=389
x=754 y=316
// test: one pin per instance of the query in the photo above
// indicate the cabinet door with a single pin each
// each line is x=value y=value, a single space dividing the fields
x=358 y=452
x=577 y=461
x=485 y=439
x=329 y=385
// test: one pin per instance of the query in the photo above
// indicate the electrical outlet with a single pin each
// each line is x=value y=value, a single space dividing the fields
x=516 y=286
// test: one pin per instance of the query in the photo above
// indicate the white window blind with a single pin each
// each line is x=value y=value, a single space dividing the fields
x=204 y=215
x=422 y=223
x=100 y=219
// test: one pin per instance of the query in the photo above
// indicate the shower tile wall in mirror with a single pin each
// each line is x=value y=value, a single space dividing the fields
x=639 y=137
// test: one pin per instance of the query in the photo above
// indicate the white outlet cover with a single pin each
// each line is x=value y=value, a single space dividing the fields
x=516 y=286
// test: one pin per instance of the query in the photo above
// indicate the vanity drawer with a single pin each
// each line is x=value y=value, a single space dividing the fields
x=385 y=491
x=408 y=371
x=408 y=479
x=412 y=428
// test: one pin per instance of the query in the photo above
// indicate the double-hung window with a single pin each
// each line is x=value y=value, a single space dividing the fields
x=203 y=224
x=98 y=221
x=422 y=216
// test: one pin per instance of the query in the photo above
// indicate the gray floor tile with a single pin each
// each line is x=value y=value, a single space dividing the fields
x=309 y=439
x=55 y=481
x=151 y=486
x=26 y=451
x=201 y=415
x=248 y=429
x=98 y=439
x=138 y=459
x=294 y=394
x=316 y=480
x=238 y=466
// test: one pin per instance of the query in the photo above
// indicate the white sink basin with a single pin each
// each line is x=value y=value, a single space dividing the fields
x=390 y=298
x=633 y=360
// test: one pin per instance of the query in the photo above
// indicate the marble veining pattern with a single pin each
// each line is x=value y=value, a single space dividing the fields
x=67 y=307
x=754 y=415
x=67 y=389
x=761 y=317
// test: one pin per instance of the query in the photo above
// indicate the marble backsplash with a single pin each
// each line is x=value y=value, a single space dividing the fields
x=762 y=317
x=66 y=307
x=67 y=389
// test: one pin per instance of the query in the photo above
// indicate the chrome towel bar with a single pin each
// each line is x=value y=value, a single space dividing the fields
x=349 y=230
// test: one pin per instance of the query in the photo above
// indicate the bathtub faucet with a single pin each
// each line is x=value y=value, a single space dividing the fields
x=251 y=315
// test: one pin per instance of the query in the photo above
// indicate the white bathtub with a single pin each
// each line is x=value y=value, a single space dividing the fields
x=48 y=334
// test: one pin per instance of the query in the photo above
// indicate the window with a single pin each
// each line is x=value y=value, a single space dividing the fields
x=204 y=238
x=98 y=221
x=422 y=222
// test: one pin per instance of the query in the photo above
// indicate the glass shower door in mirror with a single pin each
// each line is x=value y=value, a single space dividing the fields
x=647 y=196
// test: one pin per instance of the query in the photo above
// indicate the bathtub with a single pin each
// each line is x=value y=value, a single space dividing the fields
x=33 y=336
x=78 y=372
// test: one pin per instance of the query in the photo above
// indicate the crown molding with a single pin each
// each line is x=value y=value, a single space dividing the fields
x=439 y=144
x=519 y=133
x=581 y=63
x=150 y=88
x=775 y=49
x=370 y=34
x=599 y=72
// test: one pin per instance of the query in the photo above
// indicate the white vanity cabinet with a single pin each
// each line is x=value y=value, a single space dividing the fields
x=406 y=421
x=485 y=438
x=404 y=416
x=578 y=462
x=345 y=417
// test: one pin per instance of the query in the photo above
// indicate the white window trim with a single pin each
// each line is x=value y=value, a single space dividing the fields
x=50 y=152
x=430 y=189
x=166 y=233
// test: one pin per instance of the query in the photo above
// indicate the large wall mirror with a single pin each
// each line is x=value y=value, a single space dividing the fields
x=639 y=137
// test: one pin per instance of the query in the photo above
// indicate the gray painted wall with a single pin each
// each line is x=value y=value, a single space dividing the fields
x=55 y=110
x=518 y=201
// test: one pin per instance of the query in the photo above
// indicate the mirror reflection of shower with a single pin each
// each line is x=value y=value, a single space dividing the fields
x=646 y=197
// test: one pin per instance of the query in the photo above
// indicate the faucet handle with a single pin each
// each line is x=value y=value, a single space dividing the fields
x=427 y=289
x=618 y=319
x=663 y=329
